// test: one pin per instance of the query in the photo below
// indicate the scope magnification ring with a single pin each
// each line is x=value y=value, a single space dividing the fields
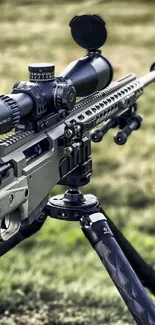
x=11 y=103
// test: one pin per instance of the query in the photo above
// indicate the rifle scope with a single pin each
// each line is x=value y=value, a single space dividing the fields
x=45 y=94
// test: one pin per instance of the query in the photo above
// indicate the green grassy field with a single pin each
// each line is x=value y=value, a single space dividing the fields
x=55 y=278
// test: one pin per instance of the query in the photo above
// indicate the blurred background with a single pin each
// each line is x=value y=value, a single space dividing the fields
x=55 y=277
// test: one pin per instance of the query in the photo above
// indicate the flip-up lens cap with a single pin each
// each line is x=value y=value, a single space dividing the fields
x=88 y=31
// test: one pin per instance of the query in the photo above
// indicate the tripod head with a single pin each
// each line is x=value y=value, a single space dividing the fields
x=46 y=95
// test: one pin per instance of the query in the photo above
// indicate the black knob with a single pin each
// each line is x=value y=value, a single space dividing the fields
x=120 y=138
x=97 y=135
x=133 y=124
x=41 y=72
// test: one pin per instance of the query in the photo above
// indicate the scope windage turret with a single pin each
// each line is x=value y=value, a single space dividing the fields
x=44 y=94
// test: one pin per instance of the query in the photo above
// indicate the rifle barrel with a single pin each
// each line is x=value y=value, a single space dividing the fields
x=149 y=78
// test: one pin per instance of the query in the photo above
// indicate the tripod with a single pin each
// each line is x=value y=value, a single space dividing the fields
x=126 y=268
x=97 y=227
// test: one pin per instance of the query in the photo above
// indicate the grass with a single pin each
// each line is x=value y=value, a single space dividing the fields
x=55 y=277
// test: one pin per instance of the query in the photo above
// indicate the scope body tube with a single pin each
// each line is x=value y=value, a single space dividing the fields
x=24 y=101
x=110 y=101
x=99 y=234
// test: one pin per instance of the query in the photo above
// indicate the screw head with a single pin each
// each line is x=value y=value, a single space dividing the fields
x=68 y=150
x=42 y=126
x=63 y=114
x=68 y=133
x=77 y=128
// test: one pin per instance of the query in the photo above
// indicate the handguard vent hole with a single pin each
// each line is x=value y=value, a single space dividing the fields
x=81 y=117
x=88 y=113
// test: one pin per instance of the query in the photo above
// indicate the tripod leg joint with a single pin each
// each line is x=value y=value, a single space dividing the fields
x=95 y=227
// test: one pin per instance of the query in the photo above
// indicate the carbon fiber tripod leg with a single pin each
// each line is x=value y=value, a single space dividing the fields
x=144 y=270
x=97 y=231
